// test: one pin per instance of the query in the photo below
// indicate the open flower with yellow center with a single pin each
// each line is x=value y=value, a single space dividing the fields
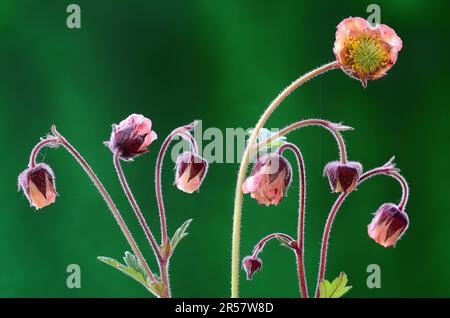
x=363 y=51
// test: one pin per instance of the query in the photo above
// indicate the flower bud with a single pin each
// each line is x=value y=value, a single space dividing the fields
x=388 y=225
x=251 y=265
x=343 y=177
x=131 y=136
x=38 y=185
x=190 y=170
x=365 y=52
x=269 y=179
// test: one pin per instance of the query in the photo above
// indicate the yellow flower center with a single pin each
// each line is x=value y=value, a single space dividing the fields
x=366 y=55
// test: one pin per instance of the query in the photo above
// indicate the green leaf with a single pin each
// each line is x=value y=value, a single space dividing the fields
x=134 y=271
x=133 y=263
x=336 y=289
x=180 y=233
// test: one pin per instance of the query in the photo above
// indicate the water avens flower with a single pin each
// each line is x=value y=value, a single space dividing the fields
x=388 y=225
x=269 y=179
x=38 y=185
x=251 y=265
x=363 y=51
x=343 y=177
x=131 y=136
x=190 y=170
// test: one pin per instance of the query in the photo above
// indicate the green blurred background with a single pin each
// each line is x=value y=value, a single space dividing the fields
x=221 y=61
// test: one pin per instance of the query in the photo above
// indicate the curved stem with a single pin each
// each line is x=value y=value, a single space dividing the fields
x=43 y=143
x=332 y=127
x=244 y=164
x=184 y=132
x=326 y=236
x=260 y=246
x=136 y=209
x=387 y=169
x=405 y=189
x=108 y=200
x=392 y=172
x=300 y=252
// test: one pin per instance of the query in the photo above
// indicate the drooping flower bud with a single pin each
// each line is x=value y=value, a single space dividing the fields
x=38 y=185
x=190 y=170
x=363 y=51
x=388 y=225
x=131 y=136
x=343 y=177
x=269 y=179
x=251 y=265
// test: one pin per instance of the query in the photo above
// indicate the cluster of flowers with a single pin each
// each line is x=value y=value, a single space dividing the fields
x=364 y=52
x=270 y=179
x=129 y=139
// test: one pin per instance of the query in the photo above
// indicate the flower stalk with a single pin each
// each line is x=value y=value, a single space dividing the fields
x=365 y=53
x=110 y=203
x=300 y=251
x=129 y=139
x=262 y=243
x=184 y=133
x=134 y=205
x=237 y=215
x=334 y=128
x=387 y=169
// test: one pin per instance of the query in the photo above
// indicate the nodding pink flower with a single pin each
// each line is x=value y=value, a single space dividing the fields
x=343 y=177
x=269 y=179
x=388 y=225
x=190 y=170
x=251 y=265
x=363 y=51
x=38 y=185
x=131 y=136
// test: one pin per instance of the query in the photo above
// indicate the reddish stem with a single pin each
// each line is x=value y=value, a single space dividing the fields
x=405 y=189
x=61 y=140
x=43 y=143
x=326 y=236
x=184 y=132
x=136 y=209
x=237 y=214
x=332 y=127
x=301 y=217
x=387 y=169
x=260 y=246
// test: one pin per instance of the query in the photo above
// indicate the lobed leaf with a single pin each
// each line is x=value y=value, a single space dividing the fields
x=133 y=270
x=335 y=289
x=180 y=233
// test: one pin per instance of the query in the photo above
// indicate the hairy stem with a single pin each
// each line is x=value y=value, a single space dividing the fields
x=405 y=189
x=136 y=209
x=165 y=278
x=237 y=215
x=43 y=143
x=326 y=236
x=300 y=252
x=183 y=132
x=260 y=246
x=108 y=200
x=312 y=122
x=387 y=169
